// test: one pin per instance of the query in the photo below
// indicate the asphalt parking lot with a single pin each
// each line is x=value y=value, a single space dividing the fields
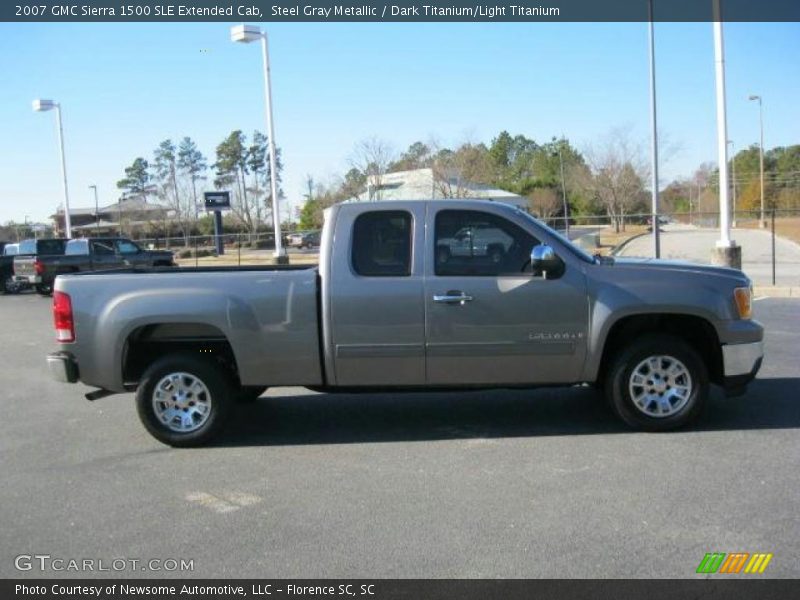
x=539 y=483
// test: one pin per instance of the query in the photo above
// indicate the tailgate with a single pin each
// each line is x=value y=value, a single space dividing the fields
x=23 y=266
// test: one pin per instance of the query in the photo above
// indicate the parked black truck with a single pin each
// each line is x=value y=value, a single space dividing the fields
x=87 y=254
x=30 y=250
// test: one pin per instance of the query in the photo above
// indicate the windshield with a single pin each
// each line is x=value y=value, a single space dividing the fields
x=577 y=251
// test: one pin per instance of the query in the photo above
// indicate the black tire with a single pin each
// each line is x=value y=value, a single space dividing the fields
x=207 y=371
x=619 y=383
x=44 y=289
x=247 y=394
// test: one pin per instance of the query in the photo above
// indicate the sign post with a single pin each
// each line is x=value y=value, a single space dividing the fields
x=216 y=202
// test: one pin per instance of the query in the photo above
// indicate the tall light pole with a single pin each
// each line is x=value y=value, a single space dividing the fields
x=733 y=178
x=41 y=105
x=726 y=251
x=763 y=221
x=246 y=34
x=564 y=191
x=96 y=208
x=654 y=138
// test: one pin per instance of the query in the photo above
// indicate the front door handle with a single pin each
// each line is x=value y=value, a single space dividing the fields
x=452 y=297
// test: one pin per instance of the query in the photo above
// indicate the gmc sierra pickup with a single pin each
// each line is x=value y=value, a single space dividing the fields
x=387 y=309
x=87 y=254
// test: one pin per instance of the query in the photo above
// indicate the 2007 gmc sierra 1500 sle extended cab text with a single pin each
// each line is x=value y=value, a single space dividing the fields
x=390 y=307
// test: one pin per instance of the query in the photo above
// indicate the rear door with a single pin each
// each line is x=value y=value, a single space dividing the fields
x=377 y=333
x=489 y=320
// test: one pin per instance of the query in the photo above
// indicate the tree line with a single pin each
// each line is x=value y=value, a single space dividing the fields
x=610 y=178
x=176 y=173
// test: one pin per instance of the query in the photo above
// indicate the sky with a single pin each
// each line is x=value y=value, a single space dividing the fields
x=126 y=87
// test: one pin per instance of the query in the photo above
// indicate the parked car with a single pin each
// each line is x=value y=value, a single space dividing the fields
x=28 y=252
x=382 y=312
x=303 y=239
x=87 y=254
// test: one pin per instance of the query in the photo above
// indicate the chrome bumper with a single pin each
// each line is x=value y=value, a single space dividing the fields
x=741 y=359
x=32 y=279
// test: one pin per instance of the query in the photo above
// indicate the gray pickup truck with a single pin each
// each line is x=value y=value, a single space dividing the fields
x=385 y=311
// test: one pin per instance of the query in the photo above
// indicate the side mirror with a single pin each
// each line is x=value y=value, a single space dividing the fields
x=544 y=260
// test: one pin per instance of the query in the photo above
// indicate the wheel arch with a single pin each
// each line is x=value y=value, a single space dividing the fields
x=147 y=343
x=695 y=330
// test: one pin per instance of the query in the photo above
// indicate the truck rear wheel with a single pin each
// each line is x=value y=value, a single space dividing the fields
x=44 y=289
x=184 y=400
x=658 y=383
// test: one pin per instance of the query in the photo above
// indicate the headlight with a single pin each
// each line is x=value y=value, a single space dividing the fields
x=743 y=298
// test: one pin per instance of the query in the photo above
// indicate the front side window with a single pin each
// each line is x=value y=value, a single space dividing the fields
x=476 y=243
x=102 y=248
x=382 y=244
x=127 y=247
x=77 y=247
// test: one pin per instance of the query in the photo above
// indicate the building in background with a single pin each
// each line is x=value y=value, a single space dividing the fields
x=426 y=184
x=129 y=216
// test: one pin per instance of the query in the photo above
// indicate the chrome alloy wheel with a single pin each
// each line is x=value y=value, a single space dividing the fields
x=181 y=402
x=660 y=386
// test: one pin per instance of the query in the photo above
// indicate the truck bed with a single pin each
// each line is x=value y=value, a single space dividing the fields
x=268 y=314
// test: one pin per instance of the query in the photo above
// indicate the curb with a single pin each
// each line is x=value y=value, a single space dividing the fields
x=621 y=246
x=769 y=291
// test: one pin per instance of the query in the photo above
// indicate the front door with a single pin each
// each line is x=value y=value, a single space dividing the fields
x=489 y=320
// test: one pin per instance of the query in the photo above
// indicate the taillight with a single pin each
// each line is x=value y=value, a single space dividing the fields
x=62 y=315
x=38 y=267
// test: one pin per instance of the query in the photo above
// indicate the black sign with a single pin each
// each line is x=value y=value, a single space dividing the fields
x=217 y=200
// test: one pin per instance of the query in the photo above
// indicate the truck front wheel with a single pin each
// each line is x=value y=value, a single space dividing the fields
x=184 y=400
x=658 y=383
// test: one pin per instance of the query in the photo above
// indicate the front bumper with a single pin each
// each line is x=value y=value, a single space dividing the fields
x=741 y=363
x=62 y=367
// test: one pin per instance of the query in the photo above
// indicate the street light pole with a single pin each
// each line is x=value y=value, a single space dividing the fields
x=564 y=192
x=763 y=221
x=96 y=209
x=249 y=33
x=654 y=138
x=41 y=105
x=726 y=251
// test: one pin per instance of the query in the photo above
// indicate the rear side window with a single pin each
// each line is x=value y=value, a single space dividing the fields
x=382 y=244
x=51 y=247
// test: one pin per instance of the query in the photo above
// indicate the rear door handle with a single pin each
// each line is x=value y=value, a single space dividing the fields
x=452 y=297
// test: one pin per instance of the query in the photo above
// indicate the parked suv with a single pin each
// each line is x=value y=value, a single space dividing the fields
x=303 y=239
